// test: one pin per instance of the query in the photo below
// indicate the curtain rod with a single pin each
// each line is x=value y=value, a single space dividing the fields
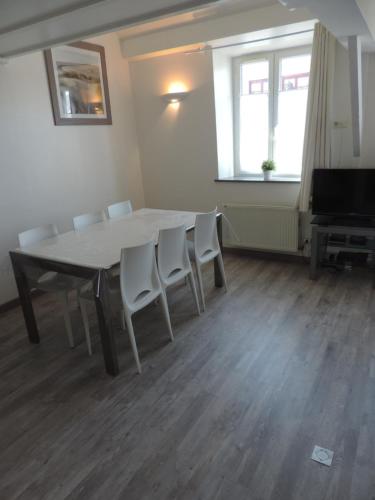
x=238 y=44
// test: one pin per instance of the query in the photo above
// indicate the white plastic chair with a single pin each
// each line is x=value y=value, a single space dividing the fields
x=119 y=209
x=32 y=236
x=173 y=259
x=206 y=248
x=51 y=282
x=82 y=221
x=138 y=285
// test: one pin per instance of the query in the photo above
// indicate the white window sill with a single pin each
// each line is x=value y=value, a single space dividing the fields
x=249 y=178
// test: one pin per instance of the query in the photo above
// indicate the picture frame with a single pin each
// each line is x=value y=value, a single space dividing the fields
x=78 y=84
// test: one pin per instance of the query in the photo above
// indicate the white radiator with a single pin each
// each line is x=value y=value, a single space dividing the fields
x=261 y=227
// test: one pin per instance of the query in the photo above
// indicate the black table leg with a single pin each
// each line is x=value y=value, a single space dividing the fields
x=25 y=298
x=105 y=323
x=218 y=277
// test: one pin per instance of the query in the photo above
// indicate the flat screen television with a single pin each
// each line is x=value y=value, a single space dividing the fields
x=343 y=192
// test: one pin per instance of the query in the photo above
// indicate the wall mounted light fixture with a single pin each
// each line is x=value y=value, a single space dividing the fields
x=174 y=97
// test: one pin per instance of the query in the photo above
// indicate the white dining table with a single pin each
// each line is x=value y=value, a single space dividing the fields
x=91 y=254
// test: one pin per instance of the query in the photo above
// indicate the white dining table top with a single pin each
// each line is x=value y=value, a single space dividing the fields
x=98 y=246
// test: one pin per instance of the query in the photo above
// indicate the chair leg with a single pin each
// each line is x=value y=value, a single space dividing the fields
x=63 y=296
x=164 y=304
x=85 y=319
x=221 y=267
x=200 y=284
x=129 y=325
x=191 y=279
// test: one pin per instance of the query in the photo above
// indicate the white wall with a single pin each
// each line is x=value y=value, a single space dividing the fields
x=178 y=147
x=49 y=174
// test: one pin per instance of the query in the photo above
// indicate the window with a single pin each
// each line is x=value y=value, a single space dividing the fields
x=270 y=111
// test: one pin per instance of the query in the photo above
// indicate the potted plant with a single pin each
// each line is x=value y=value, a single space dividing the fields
x=268 y=167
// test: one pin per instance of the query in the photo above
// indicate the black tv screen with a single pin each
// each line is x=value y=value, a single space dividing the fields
x=344 y=192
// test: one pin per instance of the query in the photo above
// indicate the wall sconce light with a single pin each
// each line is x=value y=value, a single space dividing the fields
x=174 y=97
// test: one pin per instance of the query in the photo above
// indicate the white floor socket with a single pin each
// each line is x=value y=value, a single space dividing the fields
x=322 y=456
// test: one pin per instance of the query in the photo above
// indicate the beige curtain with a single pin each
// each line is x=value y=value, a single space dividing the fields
x=317 y=145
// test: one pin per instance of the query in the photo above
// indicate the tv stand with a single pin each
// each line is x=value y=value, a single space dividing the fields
x=344 y=221
x=323 y=227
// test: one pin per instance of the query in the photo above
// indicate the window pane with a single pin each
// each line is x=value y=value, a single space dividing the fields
x=254 y=109
x=292 y=102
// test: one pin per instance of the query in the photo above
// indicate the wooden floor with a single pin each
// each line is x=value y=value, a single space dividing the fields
x=230 y=411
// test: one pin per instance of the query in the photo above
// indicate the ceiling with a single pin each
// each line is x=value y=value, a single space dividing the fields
x=29 y=25
x=276 y=38
x=342 y=17
x=219 y=9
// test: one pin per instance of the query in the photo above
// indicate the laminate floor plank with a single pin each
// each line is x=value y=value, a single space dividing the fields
x=232 y=408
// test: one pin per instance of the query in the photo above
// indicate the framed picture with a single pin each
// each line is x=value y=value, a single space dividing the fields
x=78 y=83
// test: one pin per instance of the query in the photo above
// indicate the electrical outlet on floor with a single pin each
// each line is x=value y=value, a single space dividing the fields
x=322 y=456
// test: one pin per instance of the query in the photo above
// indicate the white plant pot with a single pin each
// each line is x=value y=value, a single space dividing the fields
x=267 y=175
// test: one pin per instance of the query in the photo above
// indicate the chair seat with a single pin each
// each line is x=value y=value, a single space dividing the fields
x=206 y=257
x=144 y=300
x=115 y=296
x=176 y=276
x=114 y=289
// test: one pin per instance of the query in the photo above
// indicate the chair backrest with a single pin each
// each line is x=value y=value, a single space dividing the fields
x=138 y=272
x=119 y=209
x=172 y=252
x=36 y=234
x=82 y=221
x=205 y=234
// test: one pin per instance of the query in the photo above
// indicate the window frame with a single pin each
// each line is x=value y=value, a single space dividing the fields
x=273 y=57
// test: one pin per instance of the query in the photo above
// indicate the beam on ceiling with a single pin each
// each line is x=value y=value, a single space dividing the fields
x=93 y=20
x=23 y=13
x=356 y=85
x=205 y=30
